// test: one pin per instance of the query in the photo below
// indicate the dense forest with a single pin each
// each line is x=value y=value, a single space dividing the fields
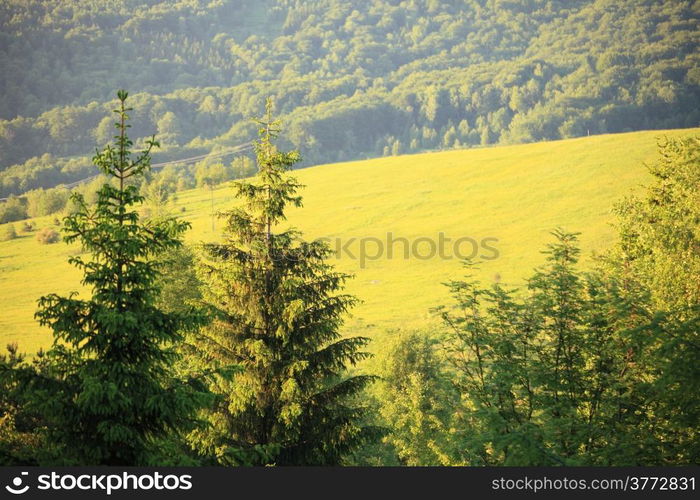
x=351 y=79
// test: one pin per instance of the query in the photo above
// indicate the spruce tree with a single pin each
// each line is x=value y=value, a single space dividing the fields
x=277 y=307
x=107 y=392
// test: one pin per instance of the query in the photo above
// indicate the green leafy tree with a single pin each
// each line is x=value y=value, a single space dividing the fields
x=657 y=265
x=490 y=348
x=660 y=230
x=598 y=368
x=277 y=309
x=416 y=400
x=47 y=202
x=550 y=378
x=108 y=394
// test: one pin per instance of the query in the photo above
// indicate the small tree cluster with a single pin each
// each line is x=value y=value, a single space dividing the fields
x=12 y=210
x=596 y=368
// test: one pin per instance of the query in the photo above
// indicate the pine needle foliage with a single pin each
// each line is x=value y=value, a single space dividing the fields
x=107 y=391
x=277 y=306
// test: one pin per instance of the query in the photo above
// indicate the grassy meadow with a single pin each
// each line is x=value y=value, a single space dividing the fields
x=515 y=194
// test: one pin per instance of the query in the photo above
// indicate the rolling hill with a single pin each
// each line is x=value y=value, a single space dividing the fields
x=514 y=195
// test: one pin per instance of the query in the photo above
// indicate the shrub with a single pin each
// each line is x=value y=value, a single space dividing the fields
x=8 y=233
x=47 y=236
x=28 y=227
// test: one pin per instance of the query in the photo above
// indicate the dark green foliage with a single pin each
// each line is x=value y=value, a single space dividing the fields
x=21 y=435
x=107 y=392
x=277 y=309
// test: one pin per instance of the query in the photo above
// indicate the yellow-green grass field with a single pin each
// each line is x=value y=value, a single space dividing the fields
x=516 y=194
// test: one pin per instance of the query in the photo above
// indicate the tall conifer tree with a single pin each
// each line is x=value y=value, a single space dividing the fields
x=107 y=392
x=277 y=307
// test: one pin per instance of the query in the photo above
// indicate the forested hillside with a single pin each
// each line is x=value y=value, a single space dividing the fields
x=351 y=78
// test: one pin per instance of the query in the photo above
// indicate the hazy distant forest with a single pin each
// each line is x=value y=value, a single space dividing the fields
x=232 y=352
x=351 y=79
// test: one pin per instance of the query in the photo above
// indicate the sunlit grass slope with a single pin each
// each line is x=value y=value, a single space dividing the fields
x=516 y=194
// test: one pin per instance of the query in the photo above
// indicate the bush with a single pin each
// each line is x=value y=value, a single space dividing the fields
x=47 y=236
x=28 y=227
x=8 y=233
